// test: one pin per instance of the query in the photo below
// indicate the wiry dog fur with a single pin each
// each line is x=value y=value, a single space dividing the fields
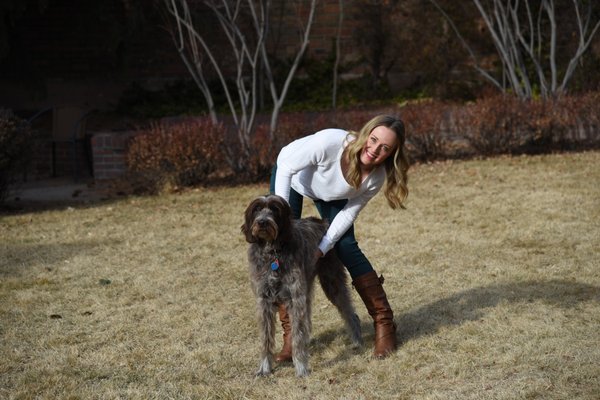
x=273 y=234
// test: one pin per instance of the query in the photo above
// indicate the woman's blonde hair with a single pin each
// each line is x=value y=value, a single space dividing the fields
x=396 y=165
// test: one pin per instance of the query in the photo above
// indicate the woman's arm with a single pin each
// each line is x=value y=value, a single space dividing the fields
x=344 y=220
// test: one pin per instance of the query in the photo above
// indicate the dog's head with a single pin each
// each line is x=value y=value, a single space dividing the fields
x=267 y=219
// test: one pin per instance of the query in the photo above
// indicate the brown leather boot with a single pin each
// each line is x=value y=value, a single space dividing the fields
x=285 y=355
x=369 y=287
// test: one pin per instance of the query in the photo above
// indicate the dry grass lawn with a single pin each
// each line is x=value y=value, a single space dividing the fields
x=493 y=272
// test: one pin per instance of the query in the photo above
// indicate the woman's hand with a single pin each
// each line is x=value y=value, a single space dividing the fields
x=318 y=254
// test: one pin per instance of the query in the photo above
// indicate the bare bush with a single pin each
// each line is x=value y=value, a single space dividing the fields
x=491 y=126
x=191 y=153
x=181 y=154
x=427 y=129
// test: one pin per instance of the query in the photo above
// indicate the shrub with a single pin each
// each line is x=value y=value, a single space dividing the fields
x=589 y=118
x=575 y=121
x=492 y=125
x=427 y=129
x=508 y=125
x=195 y=152
x=176 y=154
x=262 y=155
x=546 y=125
x=16 y=141
x=438 y=130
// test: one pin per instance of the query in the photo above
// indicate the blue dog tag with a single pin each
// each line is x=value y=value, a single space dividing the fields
x=275 y=265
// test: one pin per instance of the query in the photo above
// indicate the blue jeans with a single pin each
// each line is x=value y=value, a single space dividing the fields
x=346 y=248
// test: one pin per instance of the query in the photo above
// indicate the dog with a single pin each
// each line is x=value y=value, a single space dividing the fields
x=283 y=266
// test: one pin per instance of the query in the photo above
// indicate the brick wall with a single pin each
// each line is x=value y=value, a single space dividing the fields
x=108 y=154
x=100 y=156
x=323 y=32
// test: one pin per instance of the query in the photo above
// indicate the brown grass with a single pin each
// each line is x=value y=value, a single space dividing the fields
x=493 y=273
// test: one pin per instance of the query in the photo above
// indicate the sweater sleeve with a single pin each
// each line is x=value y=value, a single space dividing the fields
x=344 y=219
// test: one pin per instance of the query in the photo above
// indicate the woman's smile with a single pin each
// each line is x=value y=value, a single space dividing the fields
x=381 y=143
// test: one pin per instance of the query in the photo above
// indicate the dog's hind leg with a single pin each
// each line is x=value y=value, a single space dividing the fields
x=300 y=314
x=332 y=277
x=266 y=324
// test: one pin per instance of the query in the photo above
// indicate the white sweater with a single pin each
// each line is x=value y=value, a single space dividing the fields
x=312 y=167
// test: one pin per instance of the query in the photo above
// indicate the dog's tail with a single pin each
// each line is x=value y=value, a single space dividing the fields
x=332 y=275
x=333 y=279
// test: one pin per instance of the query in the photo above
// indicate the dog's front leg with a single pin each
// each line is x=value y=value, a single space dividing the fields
x=266 y=325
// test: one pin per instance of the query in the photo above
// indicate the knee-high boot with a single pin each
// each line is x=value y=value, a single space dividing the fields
x=370 y=288
x=286 y=351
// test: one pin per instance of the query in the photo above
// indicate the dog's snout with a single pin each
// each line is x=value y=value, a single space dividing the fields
x=262 y=222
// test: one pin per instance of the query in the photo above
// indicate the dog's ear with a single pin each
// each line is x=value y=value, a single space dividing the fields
x=249 y=218
x=247 y=234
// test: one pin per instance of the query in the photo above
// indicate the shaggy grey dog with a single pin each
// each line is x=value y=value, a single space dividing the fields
x=283 y=267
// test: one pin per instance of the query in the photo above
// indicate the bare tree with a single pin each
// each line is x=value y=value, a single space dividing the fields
x=336 y=64
x=245 y=26
x=526 y=43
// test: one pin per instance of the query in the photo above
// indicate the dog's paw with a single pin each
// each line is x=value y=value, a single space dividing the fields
x=264 y=368
x=357 y=343
x=262 y=372
x=301 y=370
x=356 y=333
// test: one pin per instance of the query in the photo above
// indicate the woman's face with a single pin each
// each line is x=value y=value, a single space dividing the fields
x=381 y=143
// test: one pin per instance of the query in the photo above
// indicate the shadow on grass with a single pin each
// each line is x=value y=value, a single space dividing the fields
x=470 y=305
x=462 y=307
x=10 y=208
x=16 y=258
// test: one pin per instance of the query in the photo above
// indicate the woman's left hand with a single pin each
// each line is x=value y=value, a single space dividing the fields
x=318 y=254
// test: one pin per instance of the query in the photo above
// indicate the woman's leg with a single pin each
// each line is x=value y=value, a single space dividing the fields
x=366 y=282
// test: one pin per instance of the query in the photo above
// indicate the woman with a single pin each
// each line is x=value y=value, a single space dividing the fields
x=341 y=171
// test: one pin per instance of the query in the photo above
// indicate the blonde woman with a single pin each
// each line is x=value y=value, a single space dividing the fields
x=341 y=171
